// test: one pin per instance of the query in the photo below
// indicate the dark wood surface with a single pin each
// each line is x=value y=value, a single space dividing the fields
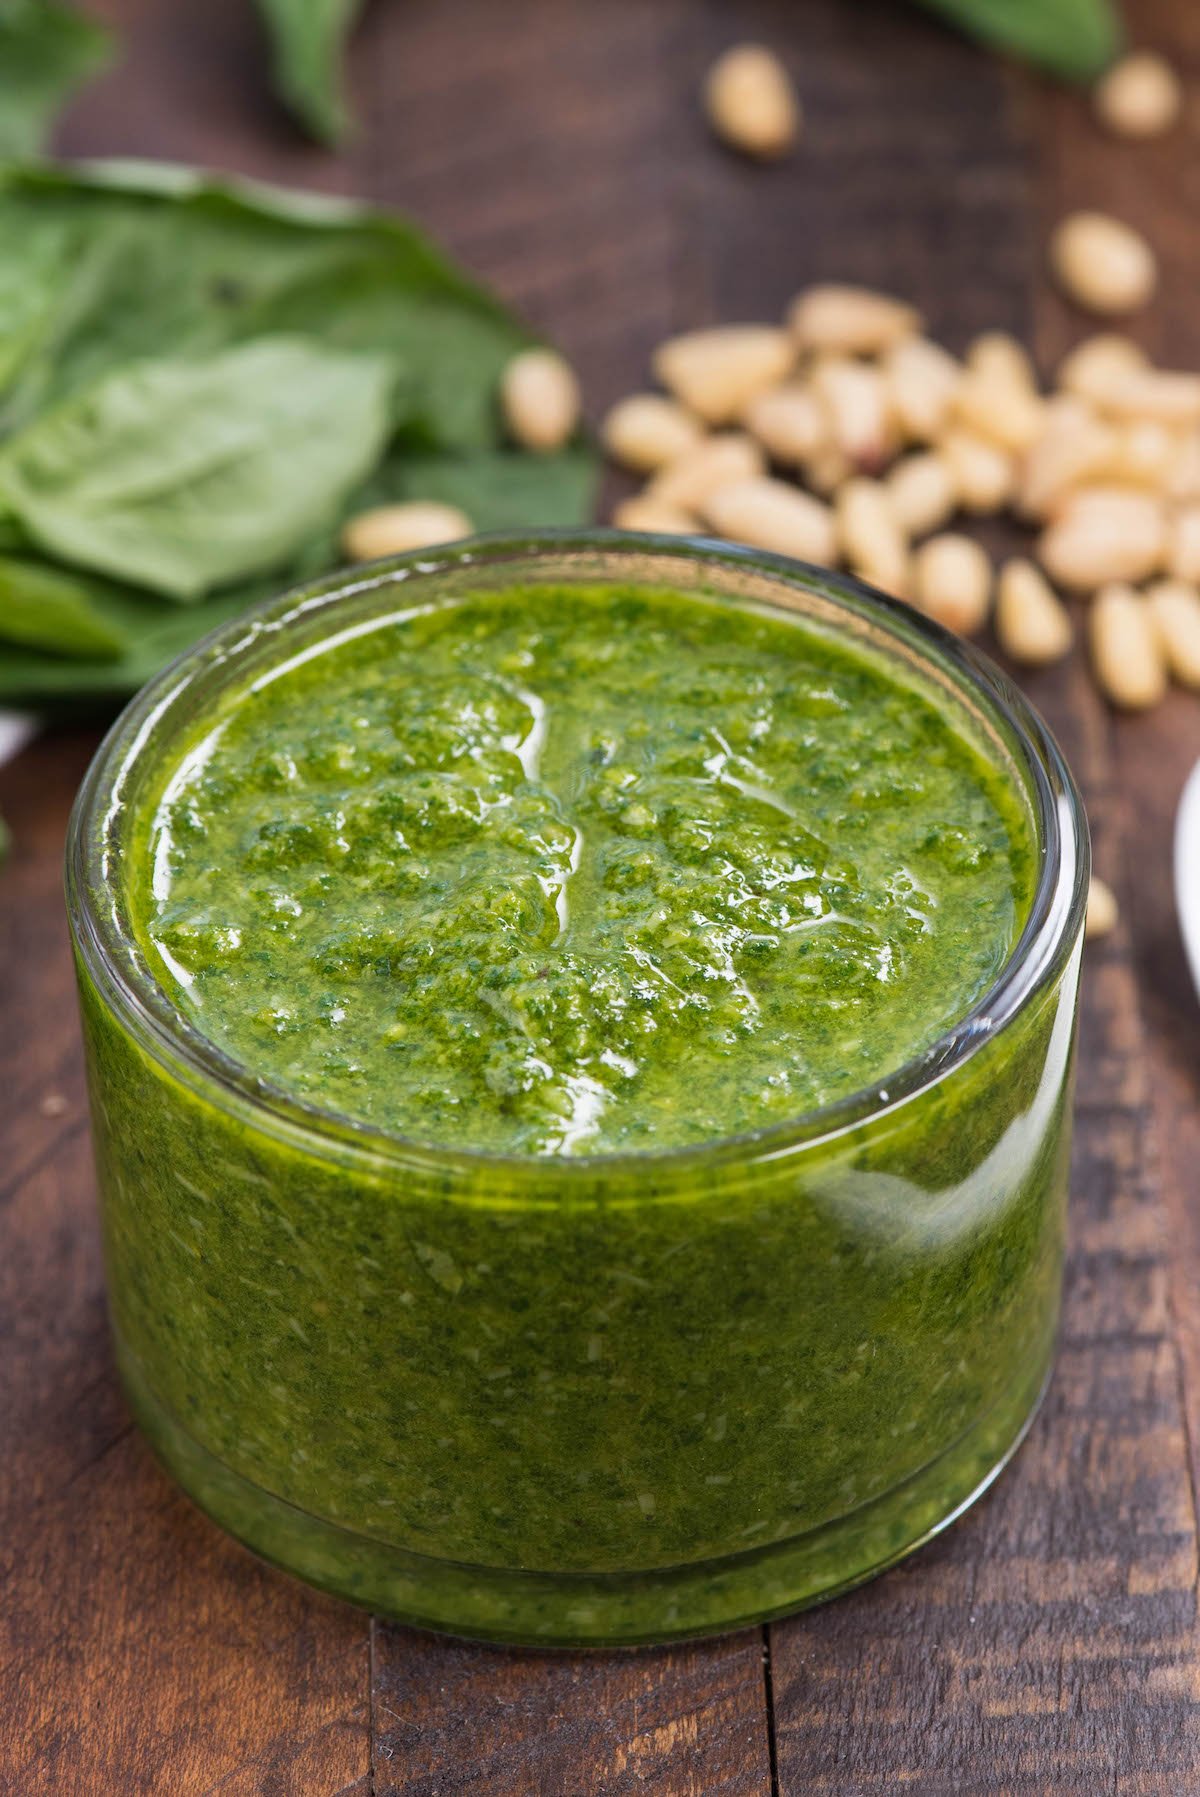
x=1049 y=1643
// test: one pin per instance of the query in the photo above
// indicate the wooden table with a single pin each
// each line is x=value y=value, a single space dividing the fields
x=1049 y=1643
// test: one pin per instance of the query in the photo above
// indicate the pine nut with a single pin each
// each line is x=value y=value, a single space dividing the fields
x=1163 y=394
x=1065 y=410
x=1032 y=625
x=790 y=423
x=1075 y=448
x=644 y=512
x=1140 y=96
x=1102 y=913
x=922 y=380
x=646 y=431
x=923 y=492
x=751 y=102
x=952 y=582
x=995 y=355
x=850 y=321
x=1125 y=649
x=717 y=373
x=1100 y=363
x=1183 y=543
x=826 y=470
x=873 y=544
x=984 y=474
x=1175 y=608
x=1102 y=264
x=539 y=395
x=770 y=514
x=1183 y=478
x=714 y=462
x=1143 y=454
x=1104 y=534
x=855 y=400
x=1001 y=410
x=391 y=529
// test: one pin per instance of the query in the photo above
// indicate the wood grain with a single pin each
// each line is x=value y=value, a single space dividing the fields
x=452 y=1717
x=1049 y=1643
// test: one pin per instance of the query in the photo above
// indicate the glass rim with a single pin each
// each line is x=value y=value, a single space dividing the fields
x=113 y=958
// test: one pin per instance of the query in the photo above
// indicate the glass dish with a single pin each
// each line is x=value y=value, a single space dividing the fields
x=584 y=1401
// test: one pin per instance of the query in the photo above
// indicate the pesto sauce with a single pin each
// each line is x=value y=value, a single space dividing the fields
x=706 y=867
x=580 y=870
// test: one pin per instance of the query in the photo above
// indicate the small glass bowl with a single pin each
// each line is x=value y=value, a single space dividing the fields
x=577 y=1401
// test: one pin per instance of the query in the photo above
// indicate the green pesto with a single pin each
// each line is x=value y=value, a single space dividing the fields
x=670 y=852
x=568 y=870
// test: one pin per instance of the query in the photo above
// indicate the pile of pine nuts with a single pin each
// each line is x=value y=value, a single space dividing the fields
x=1113 y=482
x=848 y=436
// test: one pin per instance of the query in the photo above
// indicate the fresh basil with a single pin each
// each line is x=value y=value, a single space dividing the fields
x=46 y=52
x=153 y=634
x=1072 y=38
x=200 y=379
x=307 y=38
x=106 y=264
x=186 y=475
x=497 y=489
x=44 y=609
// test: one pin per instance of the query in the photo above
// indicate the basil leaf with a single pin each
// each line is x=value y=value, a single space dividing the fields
x=184 y=475
x=1073 y=38
x=504 y=491
x=46 y=51
x=153 y=633
x=48 y=299
x=111 y=271
x=44 y=609
x=122 y=260
x=307 y=38
x=500 y=491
